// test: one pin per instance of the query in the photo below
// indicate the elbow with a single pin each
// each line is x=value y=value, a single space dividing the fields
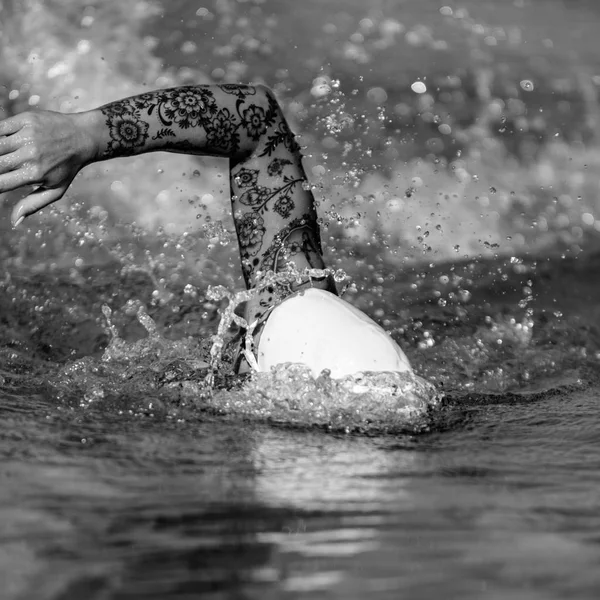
x=263 y=122
x=265 y=91
x=268 y=99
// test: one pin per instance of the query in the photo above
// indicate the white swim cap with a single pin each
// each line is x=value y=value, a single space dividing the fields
x=322 y=331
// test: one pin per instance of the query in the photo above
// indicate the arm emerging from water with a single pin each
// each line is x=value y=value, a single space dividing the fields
x=273 y=207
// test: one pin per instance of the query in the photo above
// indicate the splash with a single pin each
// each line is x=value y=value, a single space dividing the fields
x=369 y=401
x=182 y=379
x=127 y=371
x=286 y=278
x=365 y=402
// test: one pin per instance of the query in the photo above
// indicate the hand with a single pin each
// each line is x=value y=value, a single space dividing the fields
x=44 y=149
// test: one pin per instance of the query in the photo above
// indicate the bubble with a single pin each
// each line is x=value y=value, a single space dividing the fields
x=150 y=42
x=117 y=186
x=188 y=47
x=377 y=95
x=366 y=24
x=414 y=38
x=83 y=46
x=418 y=87
x=163 y=197
x=527 y=85
x=335 y=123
x=588 y=218
x=320 y=90
x=339 y=275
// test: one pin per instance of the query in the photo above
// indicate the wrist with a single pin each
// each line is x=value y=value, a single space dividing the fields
x=89 y=126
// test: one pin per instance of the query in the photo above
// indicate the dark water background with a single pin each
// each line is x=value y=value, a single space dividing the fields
x=474 y=244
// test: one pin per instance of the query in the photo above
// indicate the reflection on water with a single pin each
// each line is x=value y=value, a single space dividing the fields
x=504 y=504
x=454 y=155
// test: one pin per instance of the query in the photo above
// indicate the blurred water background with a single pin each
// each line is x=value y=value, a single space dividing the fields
x=454 y=153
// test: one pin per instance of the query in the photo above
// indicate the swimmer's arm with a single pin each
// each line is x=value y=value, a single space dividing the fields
x=273 y=207
x=272 y=203
x=210 y=120
x=47 y=149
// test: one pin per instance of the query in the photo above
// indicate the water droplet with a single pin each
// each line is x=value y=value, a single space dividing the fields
x=418 y=87
x=527 y=85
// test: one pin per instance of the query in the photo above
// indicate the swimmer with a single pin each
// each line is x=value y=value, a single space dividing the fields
x=273 y=208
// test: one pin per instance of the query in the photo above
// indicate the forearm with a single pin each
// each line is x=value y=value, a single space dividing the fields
x=225 y=120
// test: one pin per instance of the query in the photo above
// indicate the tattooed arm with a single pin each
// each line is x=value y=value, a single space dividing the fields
x=273 y=207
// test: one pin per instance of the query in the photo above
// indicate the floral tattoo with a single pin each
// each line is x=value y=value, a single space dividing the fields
x=276 y=166
x=273 y=207
x=184 y=108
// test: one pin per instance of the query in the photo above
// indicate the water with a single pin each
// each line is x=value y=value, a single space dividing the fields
x=467 y=219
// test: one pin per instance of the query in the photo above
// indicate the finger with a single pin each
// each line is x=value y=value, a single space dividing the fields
x=26 y=174
x=11 y=125
x=8 y=127
x=9 y=144
x=16 y=179
x=11 y=162
x=36 y=201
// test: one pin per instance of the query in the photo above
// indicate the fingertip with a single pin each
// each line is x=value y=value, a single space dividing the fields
x=9 y=125
x=36 y=201
x=18 y=214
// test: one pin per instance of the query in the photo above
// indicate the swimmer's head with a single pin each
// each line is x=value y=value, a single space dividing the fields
x=322 y=331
